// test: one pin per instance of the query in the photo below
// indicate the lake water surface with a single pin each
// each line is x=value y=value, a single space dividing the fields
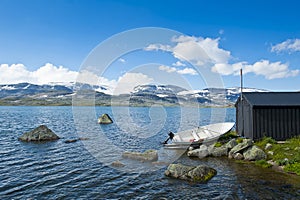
x=82 y=170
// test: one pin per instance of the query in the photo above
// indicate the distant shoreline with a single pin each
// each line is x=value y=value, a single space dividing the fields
x=154 y=105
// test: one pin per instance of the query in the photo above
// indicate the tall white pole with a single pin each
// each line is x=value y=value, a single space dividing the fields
x=242 y=104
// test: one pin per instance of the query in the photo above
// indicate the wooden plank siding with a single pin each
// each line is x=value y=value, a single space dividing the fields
x=279 y=123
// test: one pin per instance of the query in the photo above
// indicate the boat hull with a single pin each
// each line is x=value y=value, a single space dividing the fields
x=208 y=134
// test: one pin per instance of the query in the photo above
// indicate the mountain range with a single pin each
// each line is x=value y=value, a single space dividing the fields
x=142 y=95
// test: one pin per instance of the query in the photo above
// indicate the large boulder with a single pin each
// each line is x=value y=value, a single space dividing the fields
x=254 y=153
x=201 y=173
x=41 y=133
x=219 y=151
x=202 y=152
x=149 y=155
x=240 y=147
x=105 y=119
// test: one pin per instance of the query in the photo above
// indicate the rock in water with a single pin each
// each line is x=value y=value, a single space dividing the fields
x=201 y=173
x=149 y=155
x=105 y=119
x=41 y=133
x=117 y=164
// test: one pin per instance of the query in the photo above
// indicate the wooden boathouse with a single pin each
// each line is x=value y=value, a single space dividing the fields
x=271 y=114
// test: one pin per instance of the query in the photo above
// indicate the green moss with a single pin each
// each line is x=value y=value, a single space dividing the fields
x=205 y=178
x=239 y=140
x=263 y=163
x=295 y=168
x=228 y=136
x=218 y=144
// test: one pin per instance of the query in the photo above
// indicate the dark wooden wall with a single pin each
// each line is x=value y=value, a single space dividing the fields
x=279 y=123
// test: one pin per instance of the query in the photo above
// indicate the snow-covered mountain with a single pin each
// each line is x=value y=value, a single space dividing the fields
x=207 y=96
x=61 y=94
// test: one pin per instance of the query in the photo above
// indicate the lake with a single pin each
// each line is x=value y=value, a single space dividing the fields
x=82 y=170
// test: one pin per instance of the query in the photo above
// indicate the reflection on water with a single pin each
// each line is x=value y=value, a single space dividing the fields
x=57 y=170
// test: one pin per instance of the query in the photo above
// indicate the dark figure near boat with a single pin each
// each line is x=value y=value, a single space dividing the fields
x=171 y=136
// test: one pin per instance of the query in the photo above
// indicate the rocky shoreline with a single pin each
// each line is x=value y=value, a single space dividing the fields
x=265 y=153
x=245 y=150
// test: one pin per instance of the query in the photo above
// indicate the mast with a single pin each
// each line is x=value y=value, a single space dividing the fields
x=242 y=104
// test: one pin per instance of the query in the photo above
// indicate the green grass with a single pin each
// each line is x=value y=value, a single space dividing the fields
x=295 y=168
x=287 y=154
x=262 y=143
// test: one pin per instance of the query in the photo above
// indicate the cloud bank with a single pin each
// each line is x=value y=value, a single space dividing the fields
x=206 y=52
x=49 y=73
x=16 y=73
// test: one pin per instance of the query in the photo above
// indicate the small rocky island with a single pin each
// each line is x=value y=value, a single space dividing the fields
x=41 y=133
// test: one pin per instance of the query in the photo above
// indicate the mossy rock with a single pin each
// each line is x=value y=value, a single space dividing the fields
x=201 y=173
x=149 y=155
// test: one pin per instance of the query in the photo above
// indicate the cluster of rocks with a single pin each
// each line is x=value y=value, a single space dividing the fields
x=239 y=151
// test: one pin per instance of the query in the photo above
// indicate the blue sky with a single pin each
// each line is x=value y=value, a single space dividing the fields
x=45 y=41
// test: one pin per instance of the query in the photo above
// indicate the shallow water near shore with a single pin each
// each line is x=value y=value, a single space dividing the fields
x=56 y=170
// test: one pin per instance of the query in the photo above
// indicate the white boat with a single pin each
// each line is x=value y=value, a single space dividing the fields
x=201 y=135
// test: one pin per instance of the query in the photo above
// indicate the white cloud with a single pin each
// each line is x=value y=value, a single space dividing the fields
x=189 y=71
x=271 y=70
x=186 y=71
x=264 y=67
x=199 y=51
x=227 y=69
x=50 y=73
x=167 y=69
x=203 y=52
x=17 y=73
x=290 y=45
x=128 y=81
x=14 y=73
x=179 y=64
x=93 y=79
x=196 y=50
x=156 y=47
